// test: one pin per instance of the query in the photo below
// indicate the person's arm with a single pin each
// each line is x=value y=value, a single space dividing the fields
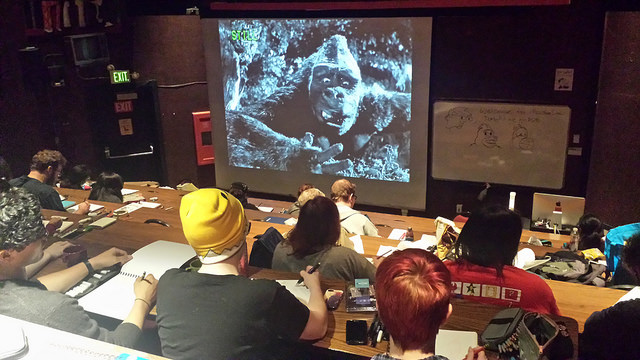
x=145 y=290
x=318 y=318
x=63 y=280
x=83 y=208
x=369 y=228
x=53 y=252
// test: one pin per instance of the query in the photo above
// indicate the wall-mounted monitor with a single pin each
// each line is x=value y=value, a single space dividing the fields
x=313 y=100
x=88 y=49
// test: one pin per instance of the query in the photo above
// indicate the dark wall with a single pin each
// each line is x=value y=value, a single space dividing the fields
x=613 y=191
x=510 y=55
x=170 y=50
x=35 y=115
x=21 y=131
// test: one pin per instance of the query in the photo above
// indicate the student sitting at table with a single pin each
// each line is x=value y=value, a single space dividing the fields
x=241 y=192
x=75 y=178
x=107 y=188
x=218 y=313
x=22 y=238
x=483 y=272
x=294 y=209
x=413 y=289
x=46 y=166
x=343 y=193
x=304 y=196
x=613 y=332
x=314 y=240
x=591 y=233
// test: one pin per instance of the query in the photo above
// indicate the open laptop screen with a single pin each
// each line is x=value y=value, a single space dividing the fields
x=544 y=205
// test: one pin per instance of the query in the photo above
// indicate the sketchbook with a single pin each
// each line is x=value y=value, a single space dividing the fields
x=115 y=297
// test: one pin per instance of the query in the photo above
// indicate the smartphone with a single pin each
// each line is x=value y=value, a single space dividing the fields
x=356 y=332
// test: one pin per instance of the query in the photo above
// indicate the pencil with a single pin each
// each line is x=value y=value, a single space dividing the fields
x=385 y=254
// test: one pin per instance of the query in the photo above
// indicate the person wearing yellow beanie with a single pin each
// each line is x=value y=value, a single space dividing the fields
x=215 y=313
x=214 y=224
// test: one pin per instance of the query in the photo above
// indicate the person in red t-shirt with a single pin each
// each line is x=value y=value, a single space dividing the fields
x=483 y=272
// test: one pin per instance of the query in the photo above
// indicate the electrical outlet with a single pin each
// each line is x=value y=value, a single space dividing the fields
x=458 y=208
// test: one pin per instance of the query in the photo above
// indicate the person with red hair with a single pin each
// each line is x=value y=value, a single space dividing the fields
x=413 y=290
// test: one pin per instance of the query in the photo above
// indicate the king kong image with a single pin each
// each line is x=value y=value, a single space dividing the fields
x=320 y=96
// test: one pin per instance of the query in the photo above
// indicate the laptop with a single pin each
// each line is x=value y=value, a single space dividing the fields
x=558 y=209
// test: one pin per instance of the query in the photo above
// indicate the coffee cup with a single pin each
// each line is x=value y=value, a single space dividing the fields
x=74 y=254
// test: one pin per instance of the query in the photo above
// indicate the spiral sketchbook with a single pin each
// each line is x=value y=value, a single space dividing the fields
x=115 y=297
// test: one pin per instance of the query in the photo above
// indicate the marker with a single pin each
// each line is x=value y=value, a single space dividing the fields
x=311 y=271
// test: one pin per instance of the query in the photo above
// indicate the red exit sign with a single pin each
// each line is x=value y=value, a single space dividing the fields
x=123 y=106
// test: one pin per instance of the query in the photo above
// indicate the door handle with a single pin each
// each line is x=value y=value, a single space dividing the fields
x=107 y=153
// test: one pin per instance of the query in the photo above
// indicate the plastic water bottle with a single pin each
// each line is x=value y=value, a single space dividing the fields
x=575 y=238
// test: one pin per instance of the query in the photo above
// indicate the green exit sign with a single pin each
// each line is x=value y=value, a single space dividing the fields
x=120 y=76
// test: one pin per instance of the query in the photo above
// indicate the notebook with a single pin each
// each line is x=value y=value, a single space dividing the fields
x=275 y=219
x=454 y=344
x=300 y=291
x=65 y=225
x=92 y=207
x=115 y=297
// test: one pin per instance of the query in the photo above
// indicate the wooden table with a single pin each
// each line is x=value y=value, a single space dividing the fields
x=130 y=233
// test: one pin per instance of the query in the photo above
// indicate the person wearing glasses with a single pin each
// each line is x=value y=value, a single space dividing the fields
x=22 y=239
x=343 y=193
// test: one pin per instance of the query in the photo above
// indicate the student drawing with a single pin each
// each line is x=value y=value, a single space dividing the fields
x=457 y=117
x=520 y=138
x=486 y=137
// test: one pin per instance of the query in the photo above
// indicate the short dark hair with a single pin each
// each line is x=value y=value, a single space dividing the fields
x=318 y=227
x=240 y=190
x=591 y=232
x=413 y=290
x=631 y=253
x=45 y=158
x=74 y=178
x=303 y=187
x=20 y=219
x=490 y=237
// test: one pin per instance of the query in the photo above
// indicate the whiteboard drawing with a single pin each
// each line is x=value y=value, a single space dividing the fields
x=457 y=117
x=520 y=138
x=486 y=137
x=500 y=143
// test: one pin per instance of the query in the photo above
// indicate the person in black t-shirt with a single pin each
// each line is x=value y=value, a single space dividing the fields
x=216 y=312
x=46 y=167
x=613 y=332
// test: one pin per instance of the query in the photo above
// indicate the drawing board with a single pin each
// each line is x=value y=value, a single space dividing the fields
x=516 y=144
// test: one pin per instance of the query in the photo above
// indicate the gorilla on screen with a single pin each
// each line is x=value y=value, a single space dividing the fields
x=343 y=109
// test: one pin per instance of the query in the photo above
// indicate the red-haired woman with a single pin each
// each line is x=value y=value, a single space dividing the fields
x=413 y=289
x=315 y=240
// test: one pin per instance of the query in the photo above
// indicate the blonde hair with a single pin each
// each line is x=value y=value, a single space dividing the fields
x=308 y=195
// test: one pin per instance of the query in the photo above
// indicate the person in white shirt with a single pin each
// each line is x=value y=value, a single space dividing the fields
x=343 y=193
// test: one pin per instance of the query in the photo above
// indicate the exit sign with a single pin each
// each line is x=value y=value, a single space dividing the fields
x=120 y=76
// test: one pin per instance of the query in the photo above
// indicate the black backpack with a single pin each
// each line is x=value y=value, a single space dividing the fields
x=262 y=250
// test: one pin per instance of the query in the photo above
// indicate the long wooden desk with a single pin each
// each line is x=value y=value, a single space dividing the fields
x=129 y=232
x=469 y=316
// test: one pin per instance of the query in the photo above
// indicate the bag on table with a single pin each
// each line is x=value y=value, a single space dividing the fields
x=446 y=235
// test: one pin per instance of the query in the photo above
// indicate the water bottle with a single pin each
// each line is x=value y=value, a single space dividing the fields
x=575 y=239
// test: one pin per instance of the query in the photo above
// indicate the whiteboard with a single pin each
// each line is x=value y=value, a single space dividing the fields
x=516 y=144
